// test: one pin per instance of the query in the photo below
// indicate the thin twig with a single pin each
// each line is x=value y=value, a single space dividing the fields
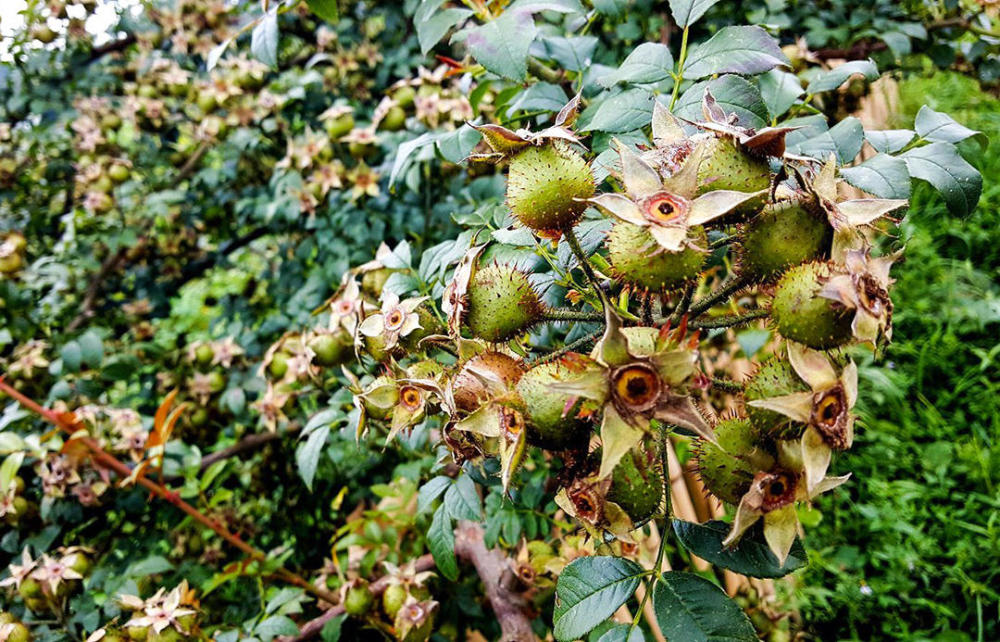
x=568 y=314
x=730 y=321
x=726 y=290
x=581 y=256
x=569 y=347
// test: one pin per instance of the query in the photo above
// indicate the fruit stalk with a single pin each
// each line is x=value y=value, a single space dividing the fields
x=728 y=288
x=581 y=256
x=568 y=314
x=730 y=320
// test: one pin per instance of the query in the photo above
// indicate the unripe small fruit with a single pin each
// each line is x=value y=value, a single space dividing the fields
x=373 y=281
x=639 y=261
x=726 y=166
x=804 y=316
x=783 y=235
x=137 y=633
x=79 y=562
x=199 y=417
x=429 y=324
x=17 y=632
x=204 y=354
x=393 y=599
x=118 y=173
x=551 y=424
x=43 y=33
x=468 y=388
x=337 y=127
x=723 y=466
x=394 y=120
x=332 y=348
x=360 y=150
x=378 y=412
x=11 y=263
x=279 y=364
x=637 y=482
x=501 y=303
x=216 y=382
x=6 y=618
x=404 y=96
x=30 y=588
x=775 y=378
x=547 y=187
x=206 y=102
x=359 y=600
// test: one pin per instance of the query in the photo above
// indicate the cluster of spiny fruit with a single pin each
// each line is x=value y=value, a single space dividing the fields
x=699 y=186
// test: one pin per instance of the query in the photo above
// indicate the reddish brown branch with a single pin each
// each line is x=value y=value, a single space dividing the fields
x=493 y=568
x=104 y=460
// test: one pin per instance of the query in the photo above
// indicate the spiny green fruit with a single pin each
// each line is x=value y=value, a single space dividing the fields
x=547 y=187
x=359 y=599
x=374 y=347
x=726 y=166
x=501 y=303
x=775 y=378
x=722 y=466
x=424 y=369
x=429 y=324
x=332 y=348
x=637 y=482
x=468 y=388
x=393 y=599
x=782 y=235
x=639 y=261
x=551 y=424
x=804 y=316
x=373 y=281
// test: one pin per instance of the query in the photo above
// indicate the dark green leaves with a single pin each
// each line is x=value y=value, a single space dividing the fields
x=686 y=12
x=843 y=140
x=648 y=63
x=589 y=590
x=462 y=501
x=839 y=75
x=780 y=90
x=882 y=175
x=735 y=50
x=441 y=541
x=432 y=25
x=264 y=39
x=750 y=556
x=940 y=165
x=690 y=608
x=325 y=9
x=938 y=127
x=734 y=94
x=624 y=112
x=501 y=45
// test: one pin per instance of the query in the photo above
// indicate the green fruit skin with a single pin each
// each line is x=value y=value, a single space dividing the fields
x=429 y=325
x=501 y=303
x=373 y=281
x=395 y=119
x=547 y=187
x=723 y=470
x=775 y=378
x=6 y=618
x=18 y=633
x=548 y=427
x=404 y=96
x=358 y=601
x=637 y=483
x=725 y=166
x=279 y=365
x=203 y=355
x=639 y=261
x=781 y=236
x=393 y=599
x=333 y=349
x=802 y=315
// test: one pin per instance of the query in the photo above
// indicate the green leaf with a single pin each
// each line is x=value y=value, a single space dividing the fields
x=648 y=63
x=735 y=50
x=889 y=141
x=613 y=8
x=844 y=140
x=331 y=630
x=307 y=454
x=733 y=93
x=939 y=127
x=750 y=556
x=686 y=12
x=779 y=90
x=431 y=491
x=940 y=165
x=539 y=96
x=216 y=53
x=326 y=9
x=882 y=175
x=441 y=542
x=456 y=146
x=573 y=54
x=71 y=356
x=501 y=45
x=432 y=25
x=274 y=626
x=264 y=39
x=624 y=112
x=462 y=501
x=91 y=349
x=623 y=633
x=690 y=608
x=589 y=591
x=839 y=75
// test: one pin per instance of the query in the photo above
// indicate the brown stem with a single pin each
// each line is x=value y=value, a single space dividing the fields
x=104 y=460
x=509 y=607
x=313 y=627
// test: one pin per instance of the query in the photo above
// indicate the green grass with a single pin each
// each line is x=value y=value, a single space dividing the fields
x=912 y=550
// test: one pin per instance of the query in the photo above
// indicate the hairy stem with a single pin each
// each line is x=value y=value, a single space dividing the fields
x=731 y=320
x=726 y=290
x=569 y=314
x=581 y=256
x=679 y=76
x=727 y=386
